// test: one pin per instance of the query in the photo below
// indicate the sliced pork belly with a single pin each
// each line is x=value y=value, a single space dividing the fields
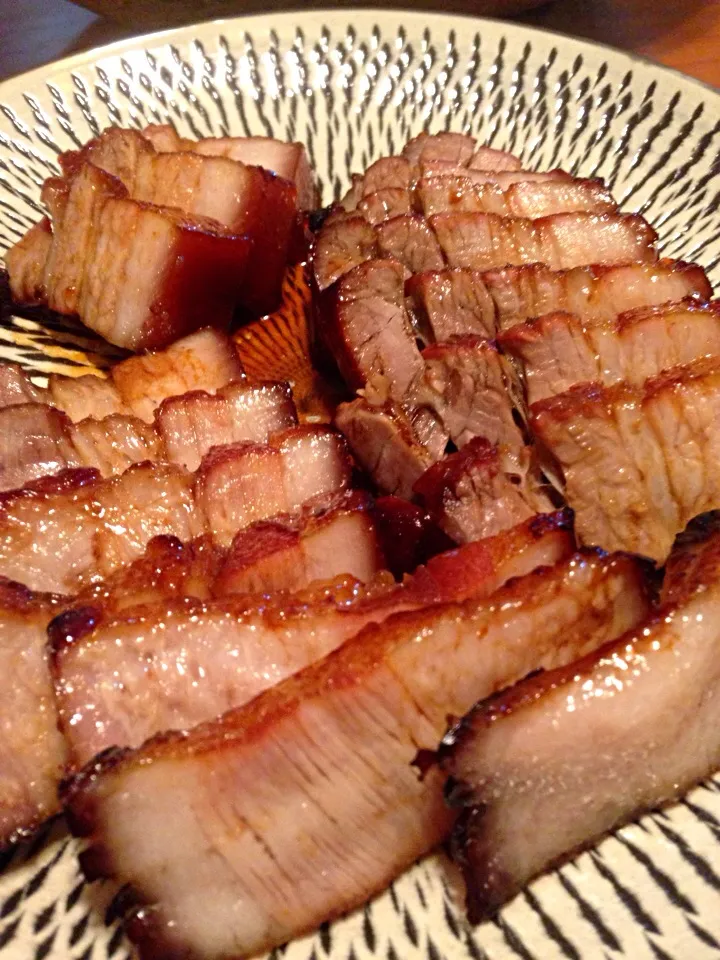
x=504 y=178
x=115 y=443
x=451 y=147
x=410 y=240
x=278 y=779
x=654 y=447
x=60 y=533
x=559 y=350
x=593 y=293
x=546 y=768
x=25 y=262
x=35 y=441
x=387 y=173
x=341 y=245
x=451 y=303
x=85 y=396
x=386 y=203
x=190 y=662
x=475 y=493
x=17 y=387
x=524 y=199
x=484 y=241
x=243 y=483
x=206 y=360
x=291 y=554
x=32 y=751
x=192 y=423
x=469 y=386
x=384 y=443
x=364 y=324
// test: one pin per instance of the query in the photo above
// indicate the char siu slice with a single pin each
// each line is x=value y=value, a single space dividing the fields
x=410 y=240
x=451 y=303
x=276 y=782
x=545 y=768
x=559 y=350
x=25 y=262
x=654 y=447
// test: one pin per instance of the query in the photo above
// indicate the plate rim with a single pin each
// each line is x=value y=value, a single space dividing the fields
x=44 y=73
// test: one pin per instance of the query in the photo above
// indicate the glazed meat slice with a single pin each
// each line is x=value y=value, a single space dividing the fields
x=115 y=443
x=475 y=493
x=504 y=178
x=484 y=241
x=243 y=483
x=559 y=350
x=292 y=553
x=85 y=396
x=190 y=662
x=60 y=533
x=32 y=751
x=365 y=326
x=25 y=262
x=278 y=779
x=35 y=440
x=192 y=423
x=341 y=245
x=387 y=173
x=384 y=443
x=451 y=303
x=655 y=448
x=546 y=768
x=410 y=240
x=469 y=386
x=385 y=204
x=524 y=199
x=594 y=293
x=456 y=148
x=17 y=387
x=206 y=360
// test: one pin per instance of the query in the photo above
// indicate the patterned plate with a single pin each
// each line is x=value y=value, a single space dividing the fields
x=354 y=86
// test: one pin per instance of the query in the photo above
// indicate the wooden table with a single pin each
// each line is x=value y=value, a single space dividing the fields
x=684 y=34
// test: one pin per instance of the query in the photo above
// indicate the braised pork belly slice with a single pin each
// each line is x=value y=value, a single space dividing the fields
x=483 y=241
x=546 y=768
x=384 y=443
x=341 y=245
x=25 y=262
x=206 y=360
x=364 y=324
x=594 y=292
x=410 y=240
x=192 y=423
x=292 y=553
x=451 y=303
x=479 y=491
x=470 y=388
x=32 y=751
x=246 y=199
x=654 y=447
x=459 y=194
x=277 y=780
x=243 y=483
x=559 y=350
x=60 y=533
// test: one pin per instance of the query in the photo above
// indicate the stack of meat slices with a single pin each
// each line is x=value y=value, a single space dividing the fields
x=469 y=303
x=150 y=237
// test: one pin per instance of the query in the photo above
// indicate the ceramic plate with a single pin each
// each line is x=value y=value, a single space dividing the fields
x=354 y=86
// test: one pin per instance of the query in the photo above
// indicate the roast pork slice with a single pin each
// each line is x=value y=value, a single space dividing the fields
x=59 y=534
x=546 y=768
x=115 y=443
x=341 y=245
x=25 y=262
x=655 y=448
x=484 y=241
x=504 y=178
x=192 y=423
x=85 y=396
x=384 y=443
x=410 y=240
x=365 y=326
x=312 y=783
x=451 y=303
x=206 y=360
x=456 y=148
x=594 y=292
x=35 y=440
x=477 y=493
x=32 y=750
x=470 y=387
x=459 y=194
x=387 y=173
x=559 y=350
x=294 y=552
x=16 y=386
x=385 y=204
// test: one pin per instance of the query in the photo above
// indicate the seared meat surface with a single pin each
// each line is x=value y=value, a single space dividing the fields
x=547 y=767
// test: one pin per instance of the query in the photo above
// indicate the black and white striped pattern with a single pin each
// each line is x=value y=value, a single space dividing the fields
x=354 y=87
